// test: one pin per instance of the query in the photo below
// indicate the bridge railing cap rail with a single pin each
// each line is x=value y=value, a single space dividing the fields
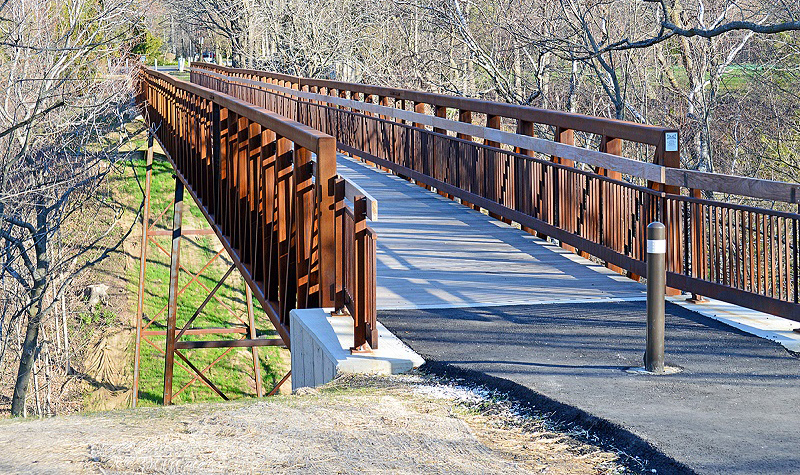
x=640 y=133
x=298 y=133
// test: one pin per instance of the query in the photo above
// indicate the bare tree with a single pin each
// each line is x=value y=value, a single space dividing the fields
x=666 y=62
x=475 y=51
x=710 y=19
x=708 y=37
x=64 y=89
x=231 y=19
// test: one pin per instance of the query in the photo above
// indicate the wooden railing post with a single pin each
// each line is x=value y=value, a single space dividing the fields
x=437 y=167
x=360 y=294
x=524 y=127
x=610 y=217
x=365 y=335
x=287 y=295
x=488 y=171
x=568 y=217
x=304 y=227
x=465 y=171
x=697 y=241
x=340 y=209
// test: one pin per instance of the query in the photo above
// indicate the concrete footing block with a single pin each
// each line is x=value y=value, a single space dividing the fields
x=321 y=349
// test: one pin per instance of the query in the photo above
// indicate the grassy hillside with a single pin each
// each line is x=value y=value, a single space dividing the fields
x=233 y=371
x=105 y=364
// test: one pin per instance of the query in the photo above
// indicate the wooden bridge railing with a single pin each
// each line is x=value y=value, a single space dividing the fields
x=269 y=188
x=745 y=255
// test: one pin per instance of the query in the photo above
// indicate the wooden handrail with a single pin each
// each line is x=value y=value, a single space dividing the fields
x=730 y=184
x=640 y=133
x=301 y=134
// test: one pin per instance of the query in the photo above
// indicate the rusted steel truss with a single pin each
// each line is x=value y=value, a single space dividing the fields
x=172 y=331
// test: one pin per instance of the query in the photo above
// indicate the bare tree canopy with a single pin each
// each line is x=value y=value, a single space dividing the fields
x=64 y=89
x=714 y=19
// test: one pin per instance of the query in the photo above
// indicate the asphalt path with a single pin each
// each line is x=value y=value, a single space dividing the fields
x=732 y=409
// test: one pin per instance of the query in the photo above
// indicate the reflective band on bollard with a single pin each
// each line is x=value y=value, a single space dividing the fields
x=656 y=289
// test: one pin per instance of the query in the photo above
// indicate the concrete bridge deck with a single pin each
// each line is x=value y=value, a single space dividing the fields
x=436 y=253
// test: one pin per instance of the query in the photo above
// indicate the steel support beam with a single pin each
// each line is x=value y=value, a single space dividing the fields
x=172 y=310
x=148 y=175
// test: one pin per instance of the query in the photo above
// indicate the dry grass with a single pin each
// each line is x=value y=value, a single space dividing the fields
x=405 y=424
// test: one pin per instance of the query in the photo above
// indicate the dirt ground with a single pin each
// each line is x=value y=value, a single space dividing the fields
x=407 y=424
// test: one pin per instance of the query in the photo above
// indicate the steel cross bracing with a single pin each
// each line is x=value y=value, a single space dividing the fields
x=174 y=345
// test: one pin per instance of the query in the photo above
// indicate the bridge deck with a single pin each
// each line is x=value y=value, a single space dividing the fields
x=435 y=253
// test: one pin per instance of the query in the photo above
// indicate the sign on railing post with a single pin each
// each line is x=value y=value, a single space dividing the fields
x=668 y=155
x=656 y=289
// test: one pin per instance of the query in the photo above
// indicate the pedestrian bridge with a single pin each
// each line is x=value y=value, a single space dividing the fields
x=358 y=198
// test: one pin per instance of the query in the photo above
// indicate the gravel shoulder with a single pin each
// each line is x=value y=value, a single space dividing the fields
x=401 y=424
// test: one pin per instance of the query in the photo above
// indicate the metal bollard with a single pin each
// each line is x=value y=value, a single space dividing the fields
x=656 y=289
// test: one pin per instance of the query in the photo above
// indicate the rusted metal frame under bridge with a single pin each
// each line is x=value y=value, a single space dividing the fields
x=215 y=143
x=248 y=328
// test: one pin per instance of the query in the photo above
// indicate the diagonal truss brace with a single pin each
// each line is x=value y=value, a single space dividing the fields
x=173 y=343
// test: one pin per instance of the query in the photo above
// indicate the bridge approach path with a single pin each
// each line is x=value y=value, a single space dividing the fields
x=480 y=298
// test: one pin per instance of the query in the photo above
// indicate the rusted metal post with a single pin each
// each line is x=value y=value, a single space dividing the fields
x=172 y=303
x=656 y=290
x=325 y=182
x=148 y=175
x=359 y=322
x=698 y=247
x=338 y=291
x=611 y=211
x=668 y=155
x=251 y=322
x=362 y=326
x=524 y=127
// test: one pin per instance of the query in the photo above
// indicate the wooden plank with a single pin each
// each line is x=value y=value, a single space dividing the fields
x=735 y=185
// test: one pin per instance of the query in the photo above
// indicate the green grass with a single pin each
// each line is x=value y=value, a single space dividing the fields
x=182 y=76
x=733 y=78
x=233 y=374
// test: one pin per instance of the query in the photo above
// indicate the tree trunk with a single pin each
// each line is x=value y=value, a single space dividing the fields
x=34 y=315
x=518 y=92
x=28 y=351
